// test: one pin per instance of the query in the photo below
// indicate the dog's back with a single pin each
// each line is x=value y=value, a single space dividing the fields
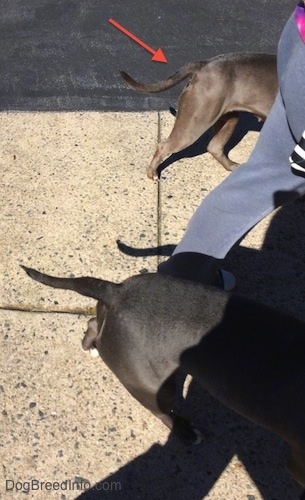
x=258 y=66
x=248 y=355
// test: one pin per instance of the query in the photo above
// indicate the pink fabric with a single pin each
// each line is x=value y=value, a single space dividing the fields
x=300 y=19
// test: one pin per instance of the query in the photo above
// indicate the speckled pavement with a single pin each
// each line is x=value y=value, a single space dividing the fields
x=72 y=184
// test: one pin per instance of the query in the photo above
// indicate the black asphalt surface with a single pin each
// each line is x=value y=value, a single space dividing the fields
x=65 y=55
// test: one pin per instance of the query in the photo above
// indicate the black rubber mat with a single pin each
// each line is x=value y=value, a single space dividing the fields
x=65 y=55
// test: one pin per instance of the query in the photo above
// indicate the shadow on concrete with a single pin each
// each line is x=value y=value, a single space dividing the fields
x=175 y=471
x=246 y=123
x=274 y=275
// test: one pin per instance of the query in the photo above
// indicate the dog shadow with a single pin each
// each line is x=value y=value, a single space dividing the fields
x=275 y=274
x=175 y=471
x=178 y=472
x=246 y=122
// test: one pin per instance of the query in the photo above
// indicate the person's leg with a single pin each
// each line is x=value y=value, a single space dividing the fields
x=265 y=181
x=248 y=194
x=238 y=203
x=193 y=266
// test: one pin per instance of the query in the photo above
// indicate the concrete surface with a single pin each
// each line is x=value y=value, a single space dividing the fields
x=71 y=185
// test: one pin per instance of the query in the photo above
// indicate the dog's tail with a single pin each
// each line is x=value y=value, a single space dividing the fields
x=102 y=290
x=185 y=72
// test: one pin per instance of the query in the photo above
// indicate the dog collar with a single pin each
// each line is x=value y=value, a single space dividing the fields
x=299 y=16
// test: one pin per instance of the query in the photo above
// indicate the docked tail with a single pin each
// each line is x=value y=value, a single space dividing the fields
x=102 y=290
x=185 y=72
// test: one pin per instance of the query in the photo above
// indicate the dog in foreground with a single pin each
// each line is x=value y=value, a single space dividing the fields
x=248 y=355
x=217 y=90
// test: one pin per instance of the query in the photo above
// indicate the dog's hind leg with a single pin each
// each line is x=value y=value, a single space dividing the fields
x=160 y=403
x=223 y=130
x=88 y=341
x=95 y=329
x=191 y=122
x=180 y=426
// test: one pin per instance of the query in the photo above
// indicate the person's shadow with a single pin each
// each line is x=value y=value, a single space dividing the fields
x=275 y=275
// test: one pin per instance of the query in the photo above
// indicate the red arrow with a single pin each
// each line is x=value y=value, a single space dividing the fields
x=158 y=55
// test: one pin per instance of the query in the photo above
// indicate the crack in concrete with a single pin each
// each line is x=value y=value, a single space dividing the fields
x=159 y=205
x=89 y=311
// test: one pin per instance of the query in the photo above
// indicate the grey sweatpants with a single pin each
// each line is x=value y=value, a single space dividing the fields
x=265 y=182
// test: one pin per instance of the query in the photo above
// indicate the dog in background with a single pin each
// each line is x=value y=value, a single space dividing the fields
x=218 y=89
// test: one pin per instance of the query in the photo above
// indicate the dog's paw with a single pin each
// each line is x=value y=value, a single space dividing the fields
x=232 y=166
x=93 y=352
x=152 y=174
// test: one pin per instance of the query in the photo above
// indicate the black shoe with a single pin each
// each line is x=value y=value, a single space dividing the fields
x=198 y=267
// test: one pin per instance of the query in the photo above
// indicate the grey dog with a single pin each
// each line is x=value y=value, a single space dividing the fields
x=217 y=90
x=251 y=357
